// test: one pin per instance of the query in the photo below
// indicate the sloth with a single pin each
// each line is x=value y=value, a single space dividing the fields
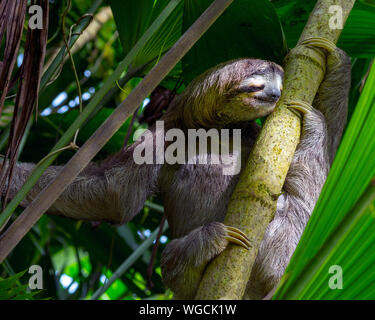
x=195 y=196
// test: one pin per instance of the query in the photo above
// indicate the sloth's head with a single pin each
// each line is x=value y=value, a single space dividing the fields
x=232 y=92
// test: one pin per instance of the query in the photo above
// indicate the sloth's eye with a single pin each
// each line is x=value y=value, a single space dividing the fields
x=249 y=89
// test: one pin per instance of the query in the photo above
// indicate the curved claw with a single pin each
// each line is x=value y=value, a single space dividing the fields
x=320 y=42
x=236 y=236
x=301 y=106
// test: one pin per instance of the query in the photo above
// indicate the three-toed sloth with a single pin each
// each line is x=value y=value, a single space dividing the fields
x=195 y=196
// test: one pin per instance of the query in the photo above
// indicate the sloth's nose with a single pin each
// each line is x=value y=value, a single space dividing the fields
x=274 y=93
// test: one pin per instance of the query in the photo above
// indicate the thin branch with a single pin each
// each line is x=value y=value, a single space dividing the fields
x=128 y=262
x=93 y=106
x=53 y=68
x=82 y=158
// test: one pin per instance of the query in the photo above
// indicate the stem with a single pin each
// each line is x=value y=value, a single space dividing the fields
x=81 y=159
x=61 y=55
x=53 y=67
x=70 y=55
x=128 y=262
x=87 y=112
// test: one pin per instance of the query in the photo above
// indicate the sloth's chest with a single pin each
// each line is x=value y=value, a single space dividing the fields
x=198 y=192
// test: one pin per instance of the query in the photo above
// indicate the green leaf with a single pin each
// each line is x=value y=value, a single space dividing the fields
x=133 y=17
x=246 y=29
x=11 y=289
x=11 y=281
x=357 y=38
x=360 y=67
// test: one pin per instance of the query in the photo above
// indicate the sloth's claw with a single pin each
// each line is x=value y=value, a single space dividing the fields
x=236 y=236
x=320 y=42
x=300 y=106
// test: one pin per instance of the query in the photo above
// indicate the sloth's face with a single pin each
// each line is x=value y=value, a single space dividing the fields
x=232 y=92
x=257 y=93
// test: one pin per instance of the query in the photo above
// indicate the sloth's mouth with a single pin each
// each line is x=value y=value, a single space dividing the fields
x=266 y=99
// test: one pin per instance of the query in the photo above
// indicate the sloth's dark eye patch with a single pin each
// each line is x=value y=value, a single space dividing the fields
x=249 y=89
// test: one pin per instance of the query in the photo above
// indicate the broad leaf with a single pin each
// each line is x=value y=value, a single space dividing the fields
x=133 y=17
x=357 y=38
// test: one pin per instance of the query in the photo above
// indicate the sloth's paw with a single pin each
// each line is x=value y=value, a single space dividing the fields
x=184 y=260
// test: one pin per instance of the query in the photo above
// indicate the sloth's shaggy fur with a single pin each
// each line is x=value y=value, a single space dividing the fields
x=196 y=196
